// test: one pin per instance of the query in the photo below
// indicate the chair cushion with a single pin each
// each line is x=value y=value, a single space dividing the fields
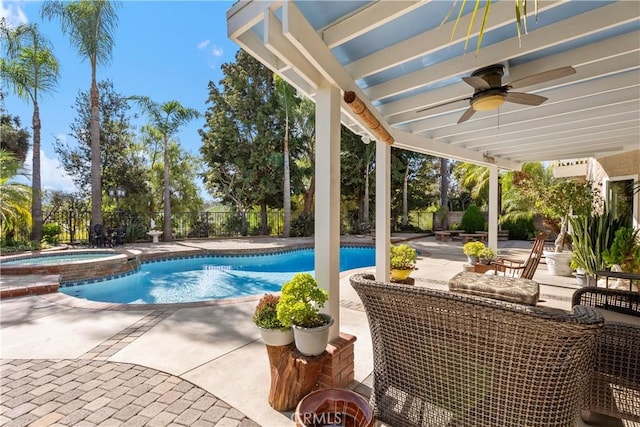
x=512 y=289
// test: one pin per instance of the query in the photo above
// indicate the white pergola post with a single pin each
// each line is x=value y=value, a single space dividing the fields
x=383 y=210
x=493 y=207
x=327 y=199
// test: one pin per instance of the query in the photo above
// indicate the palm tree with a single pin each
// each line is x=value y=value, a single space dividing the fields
x=30 y=68
x=167 y=118
x=90 y=25
x=14 y=198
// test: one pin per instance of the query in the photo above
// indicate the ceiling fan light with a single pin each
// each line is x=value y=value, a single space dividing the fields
x=488 y=103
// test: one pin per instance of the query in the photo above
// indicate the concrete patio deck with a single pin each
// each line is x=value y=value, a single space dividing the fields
x=65 y=360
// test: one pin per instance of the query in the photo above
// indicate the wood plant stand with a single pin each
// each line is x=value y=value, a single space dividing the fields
x=293 y=375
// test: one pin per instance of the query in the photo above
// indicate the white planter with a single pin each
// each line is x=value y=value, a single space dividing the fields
x=276 y=337
x=312 y=341
x=472 y=259
x=558 y=263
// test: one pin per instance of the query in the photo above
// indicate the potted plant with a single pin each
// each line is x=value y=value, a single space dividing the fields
x=473 y=250
x=624 y=250
x=300 y=301
x=556 y=199
x=487 y=255
x=402 y=261
x=272 y=331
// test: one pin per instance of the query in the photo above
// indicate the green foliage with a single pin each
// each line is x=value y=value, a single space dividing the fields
x=487 y=253
x=592 y=235
x=300 y=302
x=302 y=226
x=473 y=248
x=15 y=198
x=403 y=257
x=51 y=233
x=472 y=220
x=520 y=228
x=266 y=313
x=624 y=250
x=15 y=139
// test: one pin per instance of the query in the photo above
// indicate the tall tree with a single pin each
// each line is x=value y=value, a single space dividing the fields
x=30 y=68
x=90 y=25
x=242 y=137
x=120 y=160
x=167 y=118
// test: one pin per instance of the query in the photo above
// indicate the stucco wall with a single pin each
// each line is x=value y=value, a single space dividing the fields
x=619 y=165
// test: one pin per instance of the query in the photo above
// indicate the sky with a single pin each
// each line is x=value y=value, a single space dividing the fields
x=166 y=50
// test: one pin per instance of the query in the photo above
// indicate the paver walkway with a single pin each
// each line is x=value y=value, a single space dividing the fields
x=91 y=391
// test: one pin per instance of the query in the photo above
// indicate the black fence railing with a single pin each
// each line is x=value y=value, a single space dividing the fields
x=73 y=226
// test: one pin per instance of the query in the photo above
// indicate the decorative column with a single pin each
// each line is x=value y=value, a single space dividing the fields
x=493 y=207
x=327 y=199
x=383 y=210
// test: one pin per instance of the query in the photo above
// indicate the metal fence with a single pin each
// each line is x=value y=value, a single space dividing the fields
x=73 y=226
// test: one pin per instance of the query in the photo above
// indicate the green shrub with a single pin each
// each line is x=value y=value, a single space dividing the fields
x=521 y=228
x=302 y=226
x=51 y=233
x=300 y=302
x=472 y=220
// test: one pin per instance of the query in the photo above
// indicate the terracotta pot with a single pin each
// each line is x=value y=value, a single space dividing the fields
x=333 y=406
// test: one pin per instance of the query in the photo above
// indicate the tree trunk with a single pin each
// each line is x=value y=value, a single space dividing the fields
x=365 y=207
x=444 y=189
x=96 y=158
x=308 y=197
x=286 y=231
x=405 y=203
x=263 y=218
x=166 y=229
x=36 y=182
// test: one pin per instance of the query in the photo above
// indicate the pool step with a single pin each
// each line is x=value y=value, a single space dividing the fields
x=28 y=285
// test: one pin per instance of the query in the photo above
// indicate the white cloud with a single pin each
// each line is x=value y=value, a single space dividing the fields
x=52 y=174
x=204 y=44
x=13 y=13
x=217 y=51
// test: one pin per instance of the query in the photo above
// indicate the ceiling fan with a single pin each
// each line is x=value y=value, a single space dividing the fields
x=489 y=92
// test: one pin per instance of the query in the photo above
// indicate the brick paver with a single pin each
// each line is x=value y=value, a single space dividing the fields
x=133 y=404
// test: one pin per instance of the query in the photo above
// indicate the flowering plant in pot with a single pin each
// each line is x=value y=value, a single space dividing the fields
x=487 y=255
x=473 y=250
x=402 y=261
x=299 y=307
x=265 y=316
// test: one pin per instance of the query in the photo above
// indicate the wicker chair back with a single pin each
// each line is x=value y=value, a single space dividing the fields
x=443 y=359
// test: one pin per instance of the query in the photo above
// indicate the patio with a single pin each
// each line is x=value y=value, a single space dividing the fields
x=70 y=361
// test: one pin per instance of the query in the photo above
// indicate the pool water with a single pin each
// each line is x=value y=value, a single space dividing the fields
x=210 y=278
x=57 y=259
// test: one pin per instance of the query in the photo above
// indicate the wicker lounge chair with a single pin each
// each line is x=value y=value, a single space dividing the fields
x=615 y=384
x=444 y=359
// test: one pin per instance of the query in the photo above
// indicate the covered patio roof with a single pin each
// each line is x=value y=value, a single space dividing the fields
x=400 y=59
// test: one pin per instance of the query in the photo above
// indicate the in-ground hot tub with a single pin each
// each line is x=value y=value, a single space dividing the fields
x=71 y=265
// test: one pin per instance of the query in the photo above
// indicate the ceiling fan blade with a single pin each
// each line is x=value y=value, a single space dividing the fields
x=443 y=104
x=476 y=82
x=467 y=115
x=525 y=98
x=542 y=77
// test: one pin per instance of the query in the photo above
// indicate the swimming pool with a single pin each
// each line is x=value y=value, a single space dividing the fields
x=212 y=277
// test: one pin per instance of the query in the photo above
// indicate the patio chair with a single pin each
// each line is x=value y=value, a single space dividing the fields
x=445 y=359
x=524 y=269
x=121 y=235
x=615 y=384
